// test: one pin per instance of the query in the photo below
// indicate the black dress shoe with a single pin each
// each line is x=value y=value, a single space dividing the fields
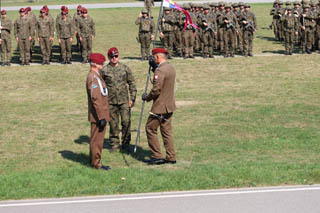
x=155 y=161
x=105 y=168
x=171 y=162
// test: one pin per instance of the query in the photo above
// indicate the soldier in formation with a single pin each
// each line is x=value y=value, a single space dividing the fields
x=148 y=4
x=5 y=39
x=146 y=33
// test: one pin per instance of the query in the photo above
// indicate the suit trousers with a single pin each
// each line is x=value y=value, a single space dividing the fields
x=96 y=145
x=166 y=132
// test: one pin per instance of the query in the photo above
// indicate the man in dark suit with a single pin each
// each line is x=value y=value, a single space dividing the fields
x=162 y=95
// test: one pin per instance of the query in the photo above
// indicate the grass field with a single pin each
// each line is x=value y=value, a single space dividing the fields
x=240 y=122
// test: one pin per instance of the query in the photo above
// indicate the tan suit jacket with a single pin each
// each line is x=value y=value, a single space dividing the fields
x=98 y=106
x=162 y=92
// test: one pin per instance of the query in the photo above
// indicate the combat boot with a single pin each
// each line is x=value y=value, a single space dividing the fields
x=22 y=63
x=69 y=61
x=3 y=64
x=27 y=62
x=43 y=62
x=8 y=63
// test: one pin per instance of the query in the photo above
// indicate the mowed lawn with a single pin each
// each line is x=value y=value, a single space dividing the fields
x=240 y=122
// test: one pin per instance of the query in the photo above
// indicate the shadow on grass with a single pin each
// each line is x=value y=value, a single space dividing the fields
x=84 y=139
x=76 y=157
x=275 y=51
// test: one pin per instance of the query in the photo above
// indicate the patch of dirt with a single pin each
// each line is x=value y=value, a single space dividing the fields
x=186 y=103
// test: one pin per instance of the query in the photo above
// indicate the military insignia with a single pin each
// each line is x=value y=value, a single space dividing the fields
x=156 y=77
x=94 y=86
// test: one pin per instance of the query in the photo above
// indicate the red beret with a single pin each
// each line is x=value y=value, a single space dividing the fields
x=27 y=9
x=79 y=7
x=45 y=7
x=113 y=51
x=3 y=12
x=97 y=58
x=22 y=10
x=159 y=50
x=84 y=10
x=63 y=8
x=43 y=10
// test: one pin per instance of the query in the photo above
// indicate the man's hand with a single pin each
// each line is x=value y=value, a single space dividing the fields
x=102 y=123
x=152 y=37
x=140 y=15
x=144 y=96
x=92 y=37
x=38 y=39
x=80 y=38
x=161 y=35
x=71 y=40
x=17 y=39
x=131 y=104
x=296 y=33
x=51 y=39
x=30 y=38
x=59 y=40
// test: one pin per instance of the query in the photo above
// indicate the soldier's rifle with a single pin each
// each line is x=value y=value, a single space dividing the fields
x=210 y=26
x=147 y=81
x=231 y=24
x=249 y=26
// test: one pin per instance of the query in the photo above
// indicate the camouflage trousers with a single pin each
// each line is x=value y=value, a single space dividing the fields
x=275 y=29
x=307 y=38
x=240 y=41
x=6 y=50
x=188 y=41
x=229 y=41
x=116 y=111
x=208 y=41
x=289 y=41
x=65 y=46
x=86 y=45
x=168 y=40
x=317 y=35
x=280 y=29
x=247 y=42
x=24 y=48
x=145 y=41
x=221 y=40
x=178 y=42
x=45 y=48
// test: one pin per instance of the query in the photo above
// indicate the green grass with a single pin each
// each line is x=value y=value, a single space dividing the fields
x=240 y=122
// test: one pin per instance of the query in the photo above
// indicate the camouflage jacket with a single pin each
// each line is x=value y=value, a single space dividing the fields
x=290 y=23
x=308 y=21
x=210 y=20
x=65 y=28
x=251 y=19
x=23 y=28
x=76 y=19
x=44 y=28
x=148 y=3
x=86 y=27
x=167 y=23
x=117 y=80
x=145 y=25
x=6 y=25
x=33 y=19
x=231 y=17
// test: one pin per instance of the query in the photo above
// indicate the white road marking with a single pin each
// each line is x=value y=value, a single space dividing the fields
x=165 y=196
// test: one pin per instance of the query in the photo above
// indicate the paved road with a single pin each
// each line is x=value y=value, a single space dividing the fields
x=294 y=199
x=118 y=5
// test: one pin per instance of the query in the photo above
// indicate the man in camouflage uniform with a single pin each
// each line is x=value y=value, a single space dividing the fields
x=23 y=32
x=5 y=40
x=308 y=24
x=51 y=22
x=230 y=29
x=45 y=35
x=290 y=24
x=146 y=33
x=33 y=19
x=240 y=34
x=249 y=27
x=208 y=26
x=188 y=34
x=148 y=5
x=118 y=78
x=178 y=33
x=167 y=23
x=314 y=8
x=280 y=13
x=275 y=17
x=76 y=20
x=86 y=30
x=297 y=10
x=220 y=24
x=65 y=33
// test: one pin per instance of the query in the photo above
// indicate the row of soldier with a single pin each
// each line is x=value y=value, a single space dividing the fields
x=28 y=28
x=298 y=25
x=222 y=28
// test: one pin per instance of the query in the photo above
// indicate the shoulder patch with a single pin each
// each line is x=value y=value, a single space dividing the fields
x=94 y=86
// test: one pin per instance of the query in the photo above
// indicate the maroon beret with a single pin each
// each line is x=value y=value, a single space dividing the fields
x=97 y=58
x=27 y=9
x=3 y=12
x=113 y=51
x=22 y=10
x=79 y=7
x=43 y=10
x=63 y=8
x=84 y=10
x=46 y=8
x=159 y=50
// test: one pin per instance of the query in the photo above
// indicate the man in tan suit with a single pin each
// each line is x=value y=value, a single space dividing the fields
x=162 y=94
x=98 y=109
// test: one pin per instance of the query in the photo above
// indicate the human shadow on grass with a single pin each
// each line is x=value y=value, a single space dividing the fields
x=76 y=157
x=274 y=51
x=269 y=39
x=85 y=139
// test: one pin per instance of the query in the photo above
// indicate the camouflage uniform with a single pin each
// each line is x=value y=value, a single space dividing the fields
x=76 y=20
x=23 y=30
x=148 y=5
x=33 y=20
x=167 y=24
x=307 y=21
x=44 y=33
x=53 y=28
x=189 y=36
x=86 y=29
x=290 y=24
x=179 y=33
x=65 y=32
x=6 y=40
x=229 y=33
x=275 y=17
x=117 y=81
x=220 y=24
x=146 y=31
x=208 y=28
x=248 y=31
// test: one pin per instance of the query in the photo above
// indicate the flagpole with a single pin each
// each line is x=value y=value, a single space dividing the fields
x=158 y=23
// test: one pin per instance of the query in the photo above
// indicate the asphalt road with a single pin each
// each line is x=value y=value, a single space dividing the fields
x=294 y=199
x=118 y=5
